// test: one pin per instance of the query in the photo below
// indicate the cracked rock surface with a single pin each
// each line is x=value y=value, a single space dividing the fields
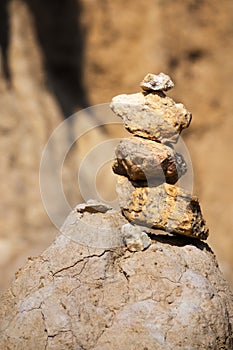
x=169 y=296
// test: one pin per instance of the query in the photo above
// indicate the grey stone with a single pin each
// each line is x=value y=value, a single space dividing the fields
x=92 y=206
x=159 y=82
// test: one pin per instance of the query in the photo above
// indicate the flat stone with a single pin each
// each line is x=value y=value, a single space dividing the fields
x=165 y=207
x=159 y=82
x=92 y=206
x=152 y=115
x=145 y=160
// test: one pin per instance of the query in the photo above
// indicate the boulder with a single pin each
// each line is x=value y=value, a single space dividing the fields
x=172 y=295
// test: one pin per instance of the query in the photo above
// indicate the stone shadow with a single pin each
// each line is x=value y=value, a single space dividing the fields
x=4 y=37
x=177 y=240
x=61 y=39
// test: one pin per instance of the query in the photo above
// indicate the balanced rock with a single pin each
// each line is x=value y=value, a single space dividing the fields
x=145 y=160
x=90 y=290
x=157 y=82
x=165 y=207
x=149 y=168
x=152 y=115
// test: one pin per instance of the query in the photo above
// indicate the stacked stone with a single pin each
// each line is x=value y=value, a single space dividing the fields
x=147 y=165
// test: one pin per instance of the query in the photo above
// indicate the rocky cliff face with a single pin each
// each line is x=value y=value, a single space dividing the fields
x=57 y=58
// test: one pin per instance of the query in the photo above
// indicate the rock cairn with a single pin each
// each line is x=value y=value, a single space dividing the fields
x=148 y=167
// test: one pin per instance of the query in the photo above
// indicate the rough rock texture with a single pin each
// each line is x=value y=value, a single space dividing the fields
x=166 y=207
x=134 y=238
x=160 y=82
x=85 y=229
x=152 y=115
x=147 y=167
x=44 y=67
x=142 y=160
x=199 y=59
x=170 y=296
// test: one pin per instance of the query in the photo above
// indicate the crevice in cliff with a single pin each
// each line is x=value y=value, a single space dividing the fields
x=4 y=37
x=62 y=41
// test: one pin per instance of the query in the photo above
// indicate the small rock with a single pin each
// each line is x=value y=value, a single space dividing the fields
x=165 y=207
x=135 y=238
x=145 y=160
x=160 y=82
x=154 y=116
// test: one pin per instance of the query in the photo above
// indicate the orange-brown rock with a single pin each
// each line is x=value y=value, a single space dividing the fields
x=165 y=207
x=145 y=160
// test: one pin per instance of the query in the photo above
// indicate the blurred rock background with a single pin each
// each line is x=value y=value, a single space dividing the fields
x=58 y=57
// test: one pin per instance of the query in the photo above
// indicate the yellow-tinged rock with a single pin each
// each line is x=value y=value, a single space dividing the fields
x=165 y=207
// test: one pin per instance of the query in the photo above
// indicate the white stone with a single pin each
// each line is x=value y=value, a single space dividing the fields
x=135 y=238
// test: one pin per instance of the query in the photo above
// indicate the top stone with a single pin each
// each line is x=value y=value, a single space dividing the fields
x=151 y=114
x=160 y=82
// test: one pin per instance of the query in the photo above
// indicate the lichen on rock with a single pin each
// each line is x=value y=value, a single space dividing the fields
x=165 y=207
